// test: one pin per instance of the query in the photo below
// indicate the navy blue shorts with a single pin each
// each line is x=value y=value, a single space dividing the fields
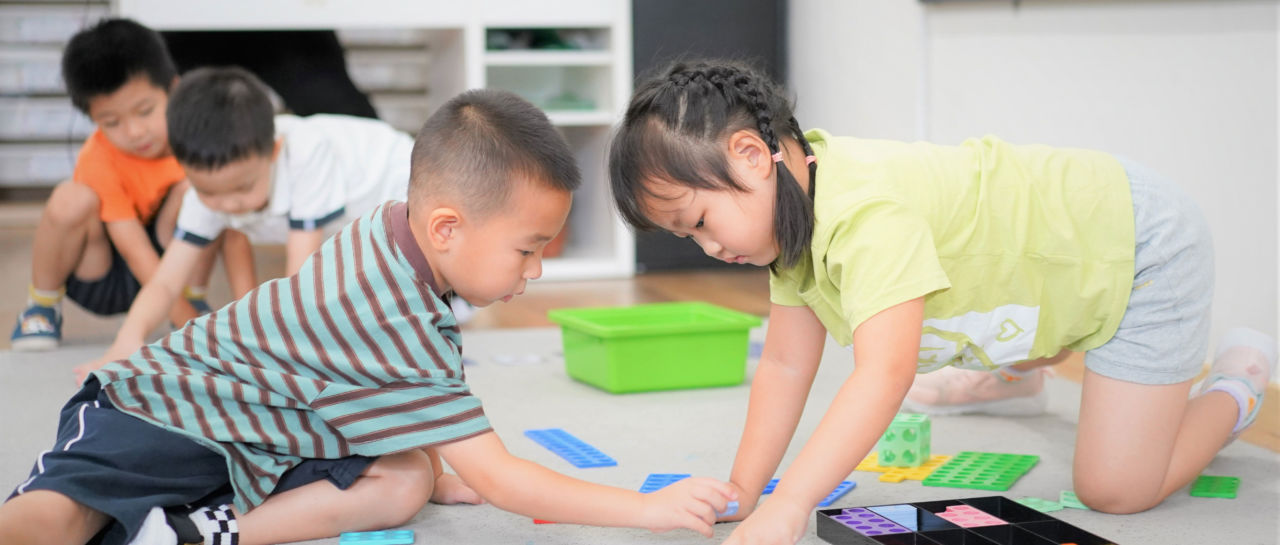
x=115 y=291
x=123 y=466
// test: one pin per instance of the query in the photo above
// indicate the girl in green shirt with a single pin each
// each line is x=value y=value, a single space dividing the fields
x=985 y=259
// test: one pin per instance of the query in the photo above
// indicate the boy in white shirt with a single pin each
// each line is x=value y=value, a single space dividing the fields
x=277 y=179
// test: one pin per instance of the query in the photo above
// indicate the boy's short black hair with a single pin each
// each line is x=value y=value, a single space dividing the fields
x=102 y=58
x=479 y=141
x=220 y=115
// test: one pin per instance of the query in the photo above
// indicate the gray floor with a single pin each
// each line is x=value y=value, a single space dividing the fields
x=697 y=432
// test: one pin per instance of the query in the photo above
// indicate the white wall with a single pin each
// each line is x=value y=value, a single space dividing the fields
x=1188 y=87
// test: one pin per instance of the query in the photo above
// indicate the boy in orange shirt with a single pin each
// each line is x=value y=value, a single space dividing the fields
x=102 y=232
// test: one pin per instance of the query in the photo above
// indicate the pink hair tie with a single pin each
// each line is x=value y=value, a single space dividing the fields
x=777 y=157
x=809 y=159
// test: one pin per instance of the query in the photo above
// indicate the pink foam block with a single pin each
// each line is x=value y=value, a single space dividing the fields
x=968 y=516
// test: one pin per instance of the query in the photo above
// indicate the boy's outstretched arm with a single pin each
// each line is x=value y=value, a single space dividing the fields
x=151 y=305
x=237 y=259
x=131 y=240
x=792 y=349
x=886 y=349
x=299 y=246
x=523 y=487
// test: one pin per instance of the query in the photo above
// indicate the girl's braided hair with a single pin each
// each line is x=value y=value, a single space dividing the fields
x=673 y=130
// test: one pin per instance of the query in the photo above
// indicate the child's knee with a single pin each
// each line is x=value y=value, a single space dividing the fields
x=71 y=202
x=1115 y=496
x=406 y=486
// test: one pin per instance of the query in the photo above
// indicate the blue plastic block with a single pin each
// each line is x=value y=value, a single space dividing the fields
x=768 y=488
x=658 y=481
x=383 y=537
x=570 y=448
x=843 y=488
x=729 y=510
x=904 y=515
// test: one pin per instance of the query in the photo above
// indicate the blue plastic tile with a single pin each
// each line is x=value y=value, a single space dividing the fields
x=768 y=488
x=383 y=537
x=730 y=510
x=658 y=481
x=904 y=515
x=843 y=488
x=570 y=448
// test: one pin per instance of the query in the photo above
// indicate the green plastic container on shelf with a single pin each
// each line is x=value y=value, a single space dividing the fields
x=660 y=346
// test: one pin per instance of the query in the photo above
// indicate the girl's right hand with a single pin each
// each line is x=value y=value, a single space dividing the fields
x=776 y=522
x=690 y=503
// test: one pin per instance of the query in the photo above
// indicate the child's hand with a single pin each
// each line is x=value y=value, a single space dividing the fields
x=82 y=371
x=691 y=503
x=746 y=504
x=775 y=522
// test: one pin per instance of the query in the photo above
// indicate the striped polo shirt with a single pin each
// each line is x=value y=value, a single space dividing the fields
x=357 y=353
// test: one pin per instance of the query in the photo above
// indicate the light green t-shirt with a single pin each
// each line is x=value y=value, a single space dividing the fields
x=1018 y=251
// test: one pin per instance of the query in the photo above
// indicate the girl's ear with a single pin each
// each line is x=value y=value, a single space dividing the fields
x=749 y=150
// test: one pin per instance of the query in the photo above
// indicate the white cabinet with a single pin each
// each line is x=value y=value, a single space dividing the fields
x=584 y=90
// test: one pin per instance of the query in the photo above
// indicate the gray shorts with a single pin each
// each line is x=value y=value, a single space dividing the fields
x=1164 y=334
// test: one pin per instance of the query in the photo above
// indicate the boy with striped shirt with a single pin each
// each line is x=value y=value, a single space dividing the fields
x=348 y=372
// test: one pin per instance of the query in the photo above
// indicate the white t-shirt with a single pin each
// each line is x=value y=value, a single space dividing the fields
x=331 y=170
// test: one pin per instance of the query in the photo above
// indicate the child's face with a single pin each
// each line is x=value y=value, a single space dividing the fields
x=238 y=187
x=492 y=260
x=132 y=118
x=730 y=226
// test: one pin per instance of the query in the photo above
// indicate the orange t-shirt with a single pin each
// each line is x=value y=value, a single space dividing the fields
x=128 y=187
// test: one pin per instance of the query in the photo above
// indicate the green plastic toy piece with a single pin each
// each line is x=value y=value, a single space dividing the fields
x=1068 y=499
x=1209 y=486
x=906 y=442
x=982 y=470
x=1041 y=505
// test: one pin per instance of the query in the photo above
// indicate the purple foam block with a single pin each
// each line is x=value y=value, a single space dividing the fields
x=868 y=523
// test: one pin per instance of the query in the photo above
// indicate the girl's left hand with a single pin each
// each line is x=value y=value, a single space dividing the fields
x=774 y=522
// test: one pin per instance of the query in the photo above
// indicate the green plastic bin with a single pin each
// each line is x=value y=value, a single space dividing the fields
x=661 y=346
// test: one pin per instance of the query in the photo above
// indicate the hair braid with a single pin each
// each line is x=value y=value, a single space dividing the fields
x=672 y=130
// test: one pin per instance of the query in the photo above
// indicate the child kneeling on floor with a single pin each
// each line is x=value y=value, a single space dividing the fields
x=348 y=371
x=987 y=256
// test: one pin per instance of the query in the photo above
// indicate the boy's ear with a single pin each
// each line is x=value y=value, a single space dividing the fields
x=750 y=149
x=173 y=84
x=442 y=227
x=275 y=149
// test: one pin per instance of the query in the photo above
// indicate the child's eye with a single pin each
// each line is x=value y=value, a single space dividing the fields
x=699 y=225
x=526 y=253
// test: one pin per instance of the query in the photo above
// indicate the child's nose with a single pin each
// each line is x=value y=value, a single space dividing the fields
x=708 y=246
x=133 y=128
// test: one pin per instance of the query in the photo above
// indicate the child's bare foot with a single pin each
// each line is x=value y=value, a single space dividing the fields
x=450 y=490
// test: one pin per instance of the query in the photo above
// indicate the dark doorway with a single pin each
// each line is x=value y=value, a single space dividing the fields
x=750 y=30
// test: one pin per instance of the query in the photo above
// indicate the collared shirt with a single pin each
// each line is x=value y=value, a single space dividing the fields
x=331 y=169
x=357 y=353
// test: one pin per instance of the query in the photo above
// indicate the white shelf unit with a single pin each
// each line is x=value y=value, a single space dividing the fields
x=40 y=131
x=598 y=245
